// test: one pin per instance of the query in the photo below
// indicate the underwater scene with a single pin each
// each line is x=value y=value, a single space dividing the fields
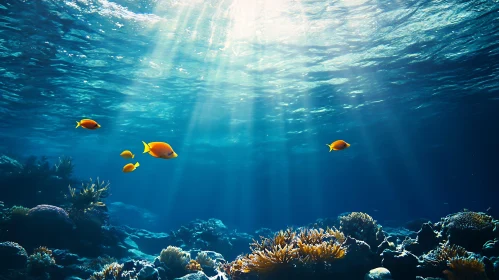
x=249 y=139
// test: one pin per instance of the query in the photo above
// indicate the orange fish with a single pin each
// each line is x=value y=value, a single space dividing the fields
x=127 y=154
x=338 y=145
x=159 y=150
x=88 y=124
x=130 y=167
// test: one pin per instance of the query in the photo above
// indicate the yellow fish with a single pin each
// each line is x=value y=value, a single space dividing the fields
x=127 y=154
x=159 y=150
x=130 y=167
x=338 y=145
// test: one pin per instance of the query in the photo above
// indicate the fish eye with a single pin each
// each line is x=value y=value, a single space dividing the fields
x=170 y=153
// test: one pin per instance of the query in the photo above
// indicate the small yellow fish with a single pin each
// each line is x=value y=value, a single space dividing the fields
x=338 y=145
x=127 y=154
x=159 y=150
x=130 y=167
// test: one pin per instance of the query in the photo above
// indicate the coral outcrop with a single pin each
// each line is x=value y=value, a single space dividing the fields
x=69 y=235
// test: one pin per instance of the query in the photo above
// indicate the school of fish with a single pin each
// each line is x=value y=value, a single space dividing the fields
x=165 y=151
x=155 y=149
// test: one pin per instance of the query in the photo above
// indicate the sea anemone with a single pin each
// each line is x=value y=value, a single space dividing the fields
x=174 y=257
x=204 y=260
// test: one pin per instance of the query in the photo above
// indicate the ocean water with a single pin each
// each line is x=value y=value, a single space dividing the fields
x=248 y=94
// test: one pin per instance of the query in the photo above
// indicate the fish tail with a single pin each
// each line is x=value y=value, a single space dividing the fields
x=146 y=147
x=330 y=147
x=133 y=155
x=137 y=164
x=77 y=124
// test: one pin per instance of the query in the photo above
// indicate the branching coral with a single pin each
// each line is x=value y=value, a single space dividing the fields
x=340 y=236
x=311 y=236
x=282 y=238
x=89 y=196
x=466 y=269
x=270 y=260
x=289 y=250
x=64 y=167
x=322 y=252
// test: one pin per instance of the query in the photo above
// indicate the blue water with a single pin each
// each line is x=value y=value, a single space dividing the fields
x=248 y=94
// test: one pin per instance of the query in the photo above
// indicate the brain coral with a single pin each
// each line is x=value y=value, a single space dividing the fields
x=49 y=218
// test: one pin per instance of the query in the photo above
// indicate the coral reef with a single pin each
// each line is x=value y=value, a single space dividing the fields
x=435 y=261
x=71 y=237
x=174 y=257
x=40 y=262
x=361 y=226
x=468 y=229
x=35 y=181
x=291 y=255
x=466 y=268
x=204 y=260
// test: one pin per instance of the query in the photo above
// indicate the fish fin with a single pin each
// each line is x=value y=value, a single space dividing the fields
x=146 y=147
x=137 y=164
x=77 y=124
